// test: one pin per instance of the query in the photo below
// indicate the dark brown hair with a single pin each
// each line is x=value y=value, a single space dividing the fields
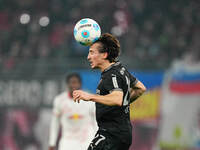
x=110 y=44
x=71 y=75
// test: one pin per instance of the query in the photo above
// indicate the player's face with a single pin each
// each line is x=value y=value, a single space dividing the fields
x=74 y=84
x=95 y=58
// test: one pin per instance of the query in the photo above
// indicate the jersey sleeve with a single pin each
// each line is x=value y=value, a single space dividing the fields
x=55 y=123
x=54 y=130
x=133 y=80
x=113 y=82
x=56 y=107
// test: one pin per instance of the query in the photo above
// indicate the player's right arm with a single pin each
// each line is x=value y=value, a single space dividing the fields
x=113 y=84
x=54 y=126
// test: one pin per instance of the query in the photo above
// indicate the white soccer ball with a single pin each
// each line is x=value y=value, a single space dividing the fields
x=87 y=31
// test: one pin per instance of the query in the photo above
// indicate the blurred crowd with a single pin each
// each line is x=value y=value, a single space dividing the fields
x=24 y=128
x=152 y=32
x=17 y=126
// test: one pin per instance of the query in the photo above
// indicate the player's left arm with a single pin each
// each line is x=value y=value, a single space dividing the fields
x=136 y=91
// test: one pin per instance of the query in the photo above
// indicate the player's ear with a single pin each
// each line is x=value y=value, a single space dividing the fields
x=105 y=55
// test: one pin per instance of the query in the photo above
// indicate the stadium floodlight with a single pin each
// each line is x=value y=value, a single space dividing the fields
x=44 y=21
x=25 y=18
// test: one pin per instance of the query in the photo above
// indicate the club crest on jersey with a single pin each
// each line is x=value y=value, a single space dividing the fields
x=122 y=71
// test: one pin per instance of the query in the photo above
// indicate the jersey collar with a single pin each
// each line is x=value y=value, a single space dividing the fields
x=115 y=64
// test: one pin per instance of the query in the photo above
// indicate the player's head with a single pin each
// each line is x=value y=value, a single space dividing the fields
x=106 y=48
x=73 y=81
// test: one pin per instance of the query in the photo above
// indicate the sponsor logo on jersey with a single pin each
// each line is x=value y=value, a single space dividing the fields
x=75 y=117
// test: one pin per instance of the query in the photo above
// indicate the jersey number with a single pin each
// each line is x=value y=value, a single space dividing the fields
x=126 y=99
x=98 y=138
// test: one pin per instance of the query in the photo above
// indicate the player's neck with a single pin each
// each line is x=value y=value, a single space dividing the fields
x=106 y=65
x=70 y=94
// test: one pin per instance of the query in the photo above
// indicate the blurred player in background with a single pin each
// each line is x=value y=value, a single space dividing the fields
x=77 y=121
x=116 y=90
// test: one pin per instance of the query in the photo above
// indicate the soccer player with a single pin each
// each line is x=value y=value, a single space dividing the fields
x=116 y=90
x=77 y=121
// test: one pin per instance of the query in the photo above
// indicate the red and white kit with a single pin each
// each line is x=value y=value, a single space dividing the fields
x=77 y=121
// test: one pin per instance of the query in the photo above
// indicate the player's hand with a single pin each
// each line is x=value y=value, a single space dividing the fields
x=81 y=95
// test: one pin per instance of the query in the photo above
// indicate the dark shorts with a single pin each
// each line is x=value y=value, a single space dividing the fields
x=106 y=141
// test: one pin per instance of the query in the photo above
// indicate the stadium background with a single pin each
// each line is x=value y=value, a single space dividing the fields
x=160 y=46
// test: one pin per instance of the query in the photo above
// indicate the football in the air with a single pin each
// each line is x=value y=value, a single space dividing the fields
x=87 y=31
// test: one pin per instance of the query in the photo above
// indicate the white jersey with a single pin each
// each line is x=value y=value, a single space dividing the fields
x=77 y=121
